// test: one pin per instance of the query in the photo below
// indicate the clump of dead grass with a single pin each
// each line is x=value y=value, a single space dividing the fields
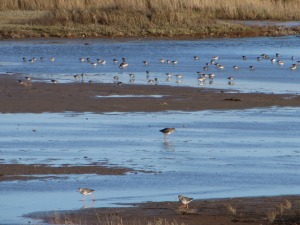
x=110 y=219
x=230 y=208
x=271 y=215
x=161 y=221
x=278 y=211
x=62 y=219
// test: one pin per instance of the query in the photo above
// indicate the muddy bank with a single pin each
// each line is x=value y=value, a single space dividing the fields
x=246 y=211
x=85 y=97
x=37 y=171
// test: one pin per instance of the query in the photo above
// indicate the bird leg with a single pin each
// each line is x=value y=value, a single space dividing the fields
x=93 y=197
x=184 y=206
x=166 y=137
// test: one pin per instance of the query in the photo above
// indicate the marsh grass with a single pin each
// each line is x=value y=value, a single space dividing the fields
x=161 y=221
x=279 y=211
x=271 y=216
x=19 y=16
x=113 y=219
x=230 y=208
x=61 y=219
x=140 y=17
x=226 y=9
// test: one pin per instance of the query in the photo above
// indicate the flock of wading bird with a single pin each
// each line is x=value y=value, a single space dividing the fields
x=202 y=76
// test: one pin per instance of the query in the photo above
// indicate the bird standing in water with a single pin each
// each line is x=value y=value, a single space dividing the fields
x=85 y=192
x=167 y=131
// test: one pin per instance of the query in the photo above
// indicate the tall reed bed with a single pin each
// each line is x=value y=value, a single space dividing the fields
x=222 y=9
x=70 y=4
x=141 y=17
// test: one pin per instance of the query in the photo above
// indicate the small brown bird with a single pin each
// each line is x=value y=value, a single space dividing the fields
x=185 y=201
x=167 y=131
x=85 y=192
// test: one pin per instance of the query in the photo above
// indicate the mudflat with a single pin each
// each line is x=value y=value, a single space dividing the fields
x=42 y=171
x=38 y=97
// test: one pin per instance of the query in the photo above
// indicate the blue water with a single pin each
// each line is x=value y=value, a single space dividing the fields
x=213 y=154
x=268 y=77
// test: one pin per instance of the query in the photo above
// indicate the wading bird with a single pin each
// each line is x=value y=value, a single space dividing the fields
x=85 y=192
x=185 y=201
x=167 y=131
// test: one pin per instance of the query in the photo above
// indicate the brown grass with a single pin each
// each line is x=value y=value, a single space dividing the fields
x=230 y=208
x=110 y=220
x=139 y=17
x=226 y=9
x=271 y=216
x=279 y=211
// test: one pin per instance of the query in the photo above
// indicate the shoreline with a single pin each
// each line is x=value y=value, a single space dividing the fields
x=17 y=33
x=220 y=28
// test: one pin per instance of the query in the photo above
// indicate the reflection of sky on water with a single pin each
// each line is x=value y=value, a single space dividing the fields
x=268 y=77
x=212 y=154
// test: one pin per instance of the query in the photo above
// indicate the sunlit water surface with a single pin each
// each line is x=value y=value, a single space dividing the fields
x=213 y=154
x=267 y=77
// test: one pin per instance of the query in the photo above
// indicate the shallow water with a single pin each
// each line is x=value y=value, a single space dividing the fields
x=213 y=154
x=268 y=77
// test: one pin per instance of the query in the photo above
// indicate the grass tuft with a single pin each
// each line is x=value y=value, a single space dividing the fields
x=271 y=216
x=231 y=209
x=280 y=209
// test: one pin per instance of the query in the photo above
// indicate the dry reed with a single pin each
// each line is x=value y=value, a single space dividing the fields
x=110 y=220
x=226 y=9
x=231 y=209
x=161 y=221
x=94 y=18
x=61 y=219
x=279 y=211
x=271 y=216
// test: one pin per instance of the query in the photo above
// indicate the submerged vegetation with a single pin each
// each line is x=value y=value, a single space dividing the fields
x=168 y=18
